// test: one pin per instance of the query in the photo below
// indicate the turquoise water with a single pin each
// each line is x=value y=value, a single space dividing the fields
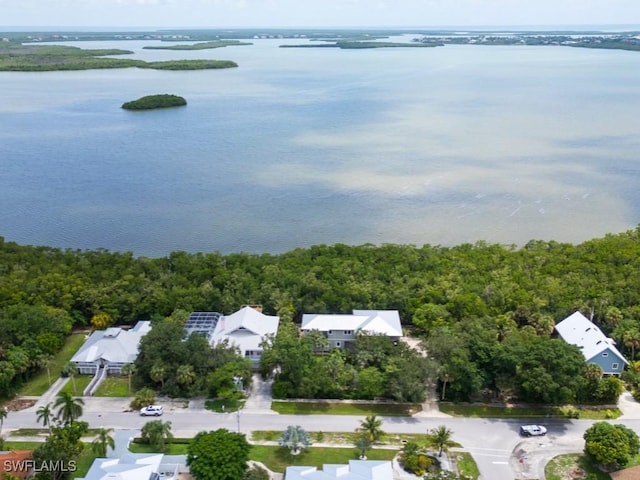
x=305 y=146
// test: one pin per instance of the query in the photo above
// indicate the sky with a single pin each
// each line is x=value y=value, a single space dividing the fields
x=316 y=13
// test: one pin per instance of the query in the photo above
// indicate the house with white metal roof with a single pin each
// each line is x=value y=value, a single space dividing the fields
x=342 y=329
x=136 y=466
x=595 y=346
x=246 y=329
x=355 y=470
x=110 y=349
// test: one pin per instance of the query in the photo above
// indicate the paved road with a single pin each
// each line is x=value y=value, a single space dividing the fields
x=499 y=451
x=495 y=444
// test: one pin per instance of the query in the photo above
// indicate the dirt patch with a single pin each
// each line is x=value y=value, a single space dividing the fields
x=18 y=404
x=575 y=473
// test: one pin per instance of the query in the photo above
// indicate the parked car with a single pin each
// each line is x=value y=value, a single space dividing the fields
x=533 y=430
x=151 y=410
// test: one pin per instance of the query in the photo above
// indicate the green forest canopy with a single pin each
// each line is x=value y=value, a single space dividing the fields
x=491 y=303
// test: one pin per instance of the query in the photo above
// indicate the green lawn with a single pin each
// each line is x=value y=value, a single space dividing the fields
x=172 y=448
x=224 y=406
x=559 y=467
x=9 y=445
x=28 y=432
x=85 y=461
x=113 y=387
x=394 y=440
x=467 y=465
x=277 y=458
x=328 y=408
x=81 y=382
x=485 y=411
x=40 y=383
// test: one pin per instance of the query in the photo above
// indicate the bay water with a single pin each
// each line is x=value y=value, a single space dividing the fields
x=302 y=146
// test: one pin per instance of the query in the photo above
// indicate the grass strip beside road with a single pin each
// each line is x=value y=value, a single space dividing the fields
x=486 y=411
x=224 y=406
x=570 y=466
x=390 y=440
x=344 y=408
x=278 y=459
x=467 y=465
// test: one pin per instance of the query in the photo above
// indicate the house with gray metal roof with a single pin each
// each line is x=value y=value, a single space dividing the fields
x=342 y=329
x=596 y=347
x=110 y=349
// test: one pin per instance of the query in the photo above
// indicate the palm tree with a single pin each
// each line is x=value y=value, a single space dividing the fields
x=295 y=438
x=143 y=397
x=445 y=377
x=158 y=373
x=631 y=339
x=363 y=443
x=3 y=414
x=370 y=426
x=45 y=361
x=185 y=375
x=129 y=369
x=45 y=414
x=441 y=438
x=156 y=433
x=102 y=441
x=593 y=371
x=70 y=369
x=69 y=408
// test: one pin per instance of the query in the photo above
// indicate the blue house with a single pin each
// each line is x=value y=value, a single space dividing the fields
x=596 y=347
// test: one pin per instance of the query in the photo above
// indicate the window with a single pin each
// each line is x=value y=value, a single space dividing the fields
x=615 y=366
x=337 y=344
x=348 y=332
x=605 y=354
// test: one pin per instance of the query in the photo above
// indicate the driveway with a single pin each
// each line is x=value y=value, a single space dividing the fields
x=259 y=400
x=629 y=407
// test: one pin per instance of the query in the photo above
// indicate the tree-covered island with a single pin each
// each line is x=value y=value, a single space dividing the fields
x=151 y=102
x=43 y=58
x=198 y=46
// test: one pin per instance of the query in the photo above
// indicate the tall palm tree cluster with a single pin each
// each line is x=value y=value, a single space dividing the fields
x=67 y=409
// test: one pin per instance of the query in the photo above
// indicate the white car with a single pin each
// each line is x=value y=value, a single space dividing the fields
x=533 y=430
x=151 y=411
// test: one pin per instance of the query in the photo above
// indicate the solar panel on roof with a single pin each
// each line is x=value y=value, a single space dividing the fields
x=202 y=322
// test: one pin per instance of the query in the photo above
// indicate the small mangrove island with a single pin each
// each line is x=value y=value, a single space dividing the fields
x=199 y=46
x=44 y=58
x=151 y=102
